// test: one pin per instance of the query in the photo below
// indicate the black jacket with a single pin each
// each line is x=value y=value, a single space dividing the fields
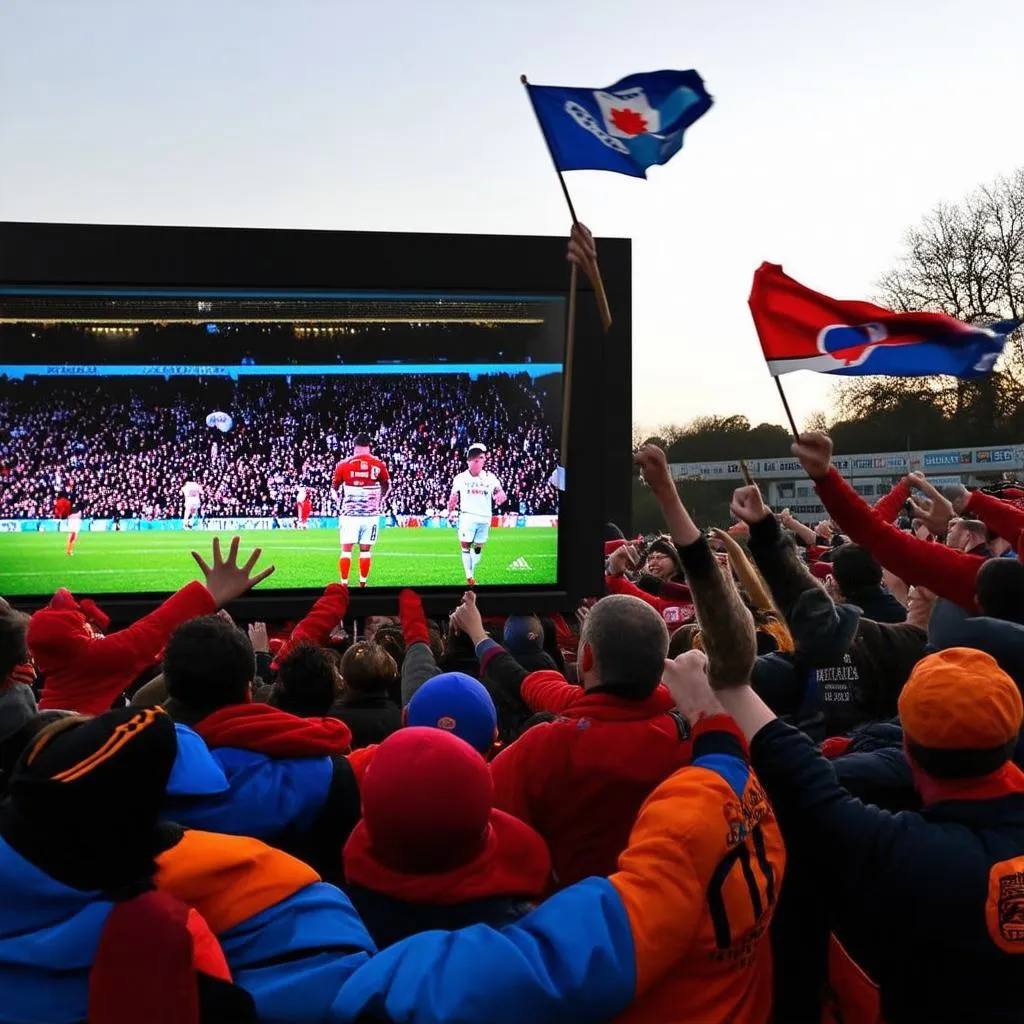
x=371 y=717
x=929 y=904
x=389 y=920
x=878 y=605
x=847 y=670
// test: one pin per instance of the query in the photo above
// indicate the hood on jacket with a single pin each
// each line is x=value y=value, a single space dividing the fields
x=196 y=773
x=50 y=931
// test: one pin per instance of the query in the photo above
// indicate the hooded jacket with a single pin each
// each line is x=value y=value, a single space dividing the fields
x=929 y=904
x=581 y=779
x=496 y=887
x=847 y=670
x=253 y=770
x=678 y=935
x=86 y=672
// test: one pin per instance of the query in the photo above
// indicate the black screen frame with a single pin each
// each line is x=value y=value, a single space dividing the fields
x=598 y=460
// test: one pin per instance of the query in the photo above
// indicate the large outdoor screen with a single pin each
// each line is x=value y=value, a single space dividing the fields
x=384 y=439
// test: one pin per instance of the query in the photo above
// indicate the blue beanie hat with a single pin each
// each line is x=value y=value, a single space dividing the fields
x=522 y=636
x=458 y=704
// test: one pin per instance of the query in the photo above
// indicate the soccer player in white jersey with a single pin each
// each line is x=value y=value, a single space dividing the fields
x=193 y=495
x=362 y=483
x=475 y=491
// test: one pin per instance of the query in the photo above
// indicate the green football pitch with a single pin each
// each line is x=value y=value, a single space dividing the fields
x=158 y=561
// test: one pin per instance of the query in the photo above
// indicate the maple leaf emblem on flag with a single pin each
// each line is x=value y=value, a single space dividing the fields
x=629 y=122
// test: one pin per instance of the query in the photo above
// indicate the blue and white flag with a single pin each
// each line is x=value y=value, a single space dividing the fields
x=626 y=128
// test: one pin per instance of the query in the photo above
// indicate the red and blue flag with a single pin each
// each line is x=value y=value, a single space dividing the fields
x=801 y=329
x=627 y=127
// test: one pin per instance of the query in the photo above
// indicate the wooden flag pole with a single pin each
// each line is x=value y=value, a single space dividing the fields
x=602 y=298
x=785 y=405
x=570 y=338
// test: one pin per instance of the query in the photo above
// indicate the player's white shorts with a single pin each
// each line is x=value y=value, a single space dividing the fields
x=473 y=531
x=191 y=507
x=360 y=530
x=74 y=523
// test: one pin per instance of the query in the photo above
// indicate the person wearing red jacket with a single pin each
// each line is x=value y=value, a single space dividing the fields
x=581 y=780
x=672 y=601
x=85 y=671
x=945 y=571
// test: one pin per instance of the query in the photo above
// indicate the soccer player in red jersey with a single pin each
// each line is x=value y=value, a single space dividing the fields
x=303 y=507
x=65 y=508
x=362 y=483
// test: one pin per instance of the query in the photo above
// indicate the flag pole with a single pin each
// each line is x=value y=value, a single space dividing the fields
x=602 y=298
x=570 y=335
x=785 y=405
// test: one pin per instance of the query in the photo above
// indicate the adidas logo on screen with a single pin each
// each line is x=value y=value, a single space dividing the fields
x=520 y=563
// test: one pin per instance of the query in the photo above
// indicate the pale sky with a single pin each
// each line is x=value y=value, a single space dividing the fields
x=836 y=125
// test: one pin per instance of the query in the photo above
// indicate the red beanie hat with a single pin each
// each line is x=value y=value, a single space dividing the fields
x=427 y=799
x=55 y=636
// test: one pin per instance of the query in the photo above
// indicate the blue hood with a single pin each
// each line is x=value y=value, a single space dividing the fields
x=195 y=771
x=48 y=938
x=241 y=792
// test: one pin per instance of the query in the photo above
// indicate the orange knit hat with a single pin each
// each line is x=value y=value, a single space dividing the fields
x=960 y=699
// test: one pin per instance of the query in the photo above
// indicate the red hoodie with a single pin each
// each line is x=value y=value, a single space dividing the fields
x=316 y=627
x=581 y=780
x=86 y=672
x=268 y=730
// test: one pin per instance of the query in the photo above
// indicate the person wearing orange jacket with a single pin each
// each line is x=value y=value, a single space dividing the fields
x=677 y=935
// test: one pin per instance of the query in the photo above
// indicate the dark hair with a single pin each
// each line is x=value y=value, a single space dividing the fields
x=13 y=647
x=682 y=640
x=629 y=641
x=362 y=440
x=208 y=664
x=999 y=587
x=367 y=667
x=855 y=569
x=307 y=682
x=392 y=640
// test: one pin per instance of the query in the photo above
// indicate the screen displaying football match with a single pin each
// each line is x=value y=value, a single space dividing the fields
x=375 y=440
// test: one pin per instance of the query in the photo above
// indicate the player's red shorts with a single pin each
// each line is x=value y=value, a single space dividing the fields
x=304 y=507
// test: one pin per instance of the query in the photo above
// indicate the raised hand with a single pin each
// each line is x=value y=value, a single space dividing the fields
x=467 y=619
x=748 y=506
x=226 y=580
x=814 y=450
x=623 y=558
x=259 y=638
x=652 y=462
x=686 y=678
x=936 y=510
x=582 y=250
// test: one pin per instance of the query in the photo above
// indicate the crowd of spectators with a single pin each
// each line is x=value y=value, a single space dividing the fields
x=126 y=446
x=774 y=775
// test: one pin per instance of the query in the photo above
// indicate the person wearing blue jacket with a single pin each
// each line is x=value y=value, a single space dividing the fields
x=79 y=836
x=250 y=769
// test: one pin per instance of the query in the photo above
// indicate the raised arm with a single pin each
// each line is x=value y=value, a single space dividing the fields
x=887 y=508
x=727 y=628
x=999 y=516
x=946 y=572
